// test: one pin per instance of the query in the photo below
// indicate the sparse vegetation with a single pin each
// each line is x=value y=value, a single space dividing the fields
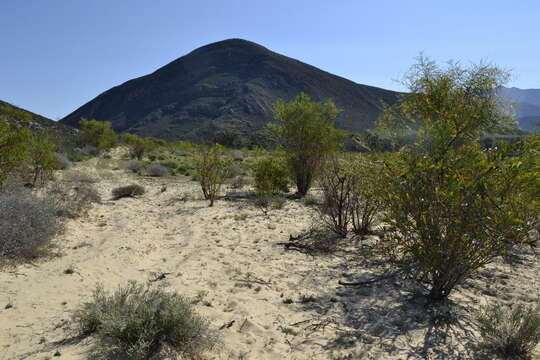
x=137 y=145
x=135 y=165
x=511 y=332
x=138 y=321
x=133 y=190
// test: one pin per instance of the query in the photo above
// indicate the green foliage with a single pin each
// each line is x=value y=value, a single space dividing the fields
x=212 y=166
x=138 y=146
x=97 y=133
x=305 y=129
x=452 y=207
x=271 y=176
x=139 y=322
x=511 y=332
x=13 y=148
x=128 y=191
x=42 y=158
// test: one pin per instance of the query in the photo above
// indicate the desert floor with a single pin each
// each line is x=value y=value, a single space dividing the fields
x=229 y=258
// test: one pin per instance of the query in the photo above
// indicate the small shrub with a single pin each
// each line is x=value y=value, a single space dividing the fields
x=212 y=168
x=128 y=191
x=135 y=165
x=156 y=170
x=28 y=224
x=510 y=331
x=169 y=164
x=271 y=176
x=73 y=200
x=139 y=322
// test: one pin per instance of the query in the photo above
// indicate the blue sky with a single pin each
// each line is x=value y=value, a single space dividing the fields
x=55 y=55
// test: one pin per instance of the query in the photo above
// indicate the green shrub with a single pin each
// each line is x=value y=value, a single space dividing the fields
x=139 y=322
x=13 y=148
x=42 y=159
x=28 y=224
x=212 y=166
x=305 y=129
x=271 y=176
x=128 y=191
x=450 y=206
x=511 y=332
x=97 y=133
x=137 y=145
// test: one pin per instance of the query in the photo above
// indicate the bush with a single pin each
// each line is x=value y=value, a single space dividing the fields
x=271 y=177
x=212 y=168
x=97 y=133
x=73 y=200
x=450 y=206
x=139 y=322
x=137 y=145
x=510 y=331
x=28 y=224
x=306 y=131
x=156 y=170
x=135 y=166
x=13 y=147
x=42 y=159
x=128 y=191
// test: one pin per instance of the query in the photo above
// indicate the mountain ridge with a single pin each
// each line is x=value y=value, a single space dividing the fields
x=231 y=86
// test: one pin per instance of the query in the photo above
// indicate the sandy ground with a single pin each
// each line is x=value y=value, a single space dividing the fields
x=230 y=258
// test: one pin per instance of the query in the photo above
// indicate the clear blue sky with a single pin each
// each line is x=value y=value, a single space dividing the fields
x=55 y=55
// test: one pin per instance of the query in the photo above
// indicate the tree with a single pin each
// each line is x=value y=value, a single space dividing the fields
x=452 y=207
x=138 y=145
x=97 y=133
x=212 y=168
x=42 y=158
x=305 y=129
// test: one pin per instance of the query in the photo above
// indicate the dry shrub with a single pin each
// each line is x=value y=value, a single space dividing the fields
x=139 y=322
x=511 y=332
x=132 y=190
x=135 y=165
x=28 y=224
x=157 y=170
x=73 y=199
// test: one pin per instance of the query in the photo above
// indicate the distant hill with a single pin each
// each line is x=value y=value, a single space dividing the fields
x=15 y=115
x=226 y=88
x=526 y=104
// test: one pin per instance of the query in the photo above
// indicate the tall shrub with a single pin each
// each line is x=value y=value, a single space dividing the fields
x=212 y=166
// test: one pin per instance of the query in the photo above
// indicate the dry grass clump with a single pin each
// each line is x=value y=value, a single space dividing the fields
x=28 y=222
x=511 y=332
x=132 y=190
x=139 y=322
x=73 y=200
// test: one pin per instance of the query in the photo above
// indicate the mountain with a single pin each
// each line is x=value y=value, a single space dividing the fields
x=15 y=115
x=526 y=104
x=226 y=88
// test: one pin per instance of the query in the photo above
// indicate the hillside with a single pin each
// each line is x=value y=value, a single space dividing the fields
x=526 y=103
x=228 y=88
x=23 y=117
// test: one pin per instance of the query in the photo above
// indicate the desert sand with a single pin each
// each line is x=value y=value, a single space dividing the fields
x=229 y=258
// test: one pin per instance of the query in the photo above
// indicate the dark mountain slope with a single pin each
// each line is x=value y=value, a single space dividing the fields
x=229 y=85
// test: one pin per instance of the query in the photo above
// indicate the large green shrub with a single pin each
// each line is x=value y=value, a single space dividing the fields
x=450 y=206
x=271 y=176
x=97 y=133
x=212 y=166
x=42 y=159
x=305 y=129
x=13 y=147
x=139 y=322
